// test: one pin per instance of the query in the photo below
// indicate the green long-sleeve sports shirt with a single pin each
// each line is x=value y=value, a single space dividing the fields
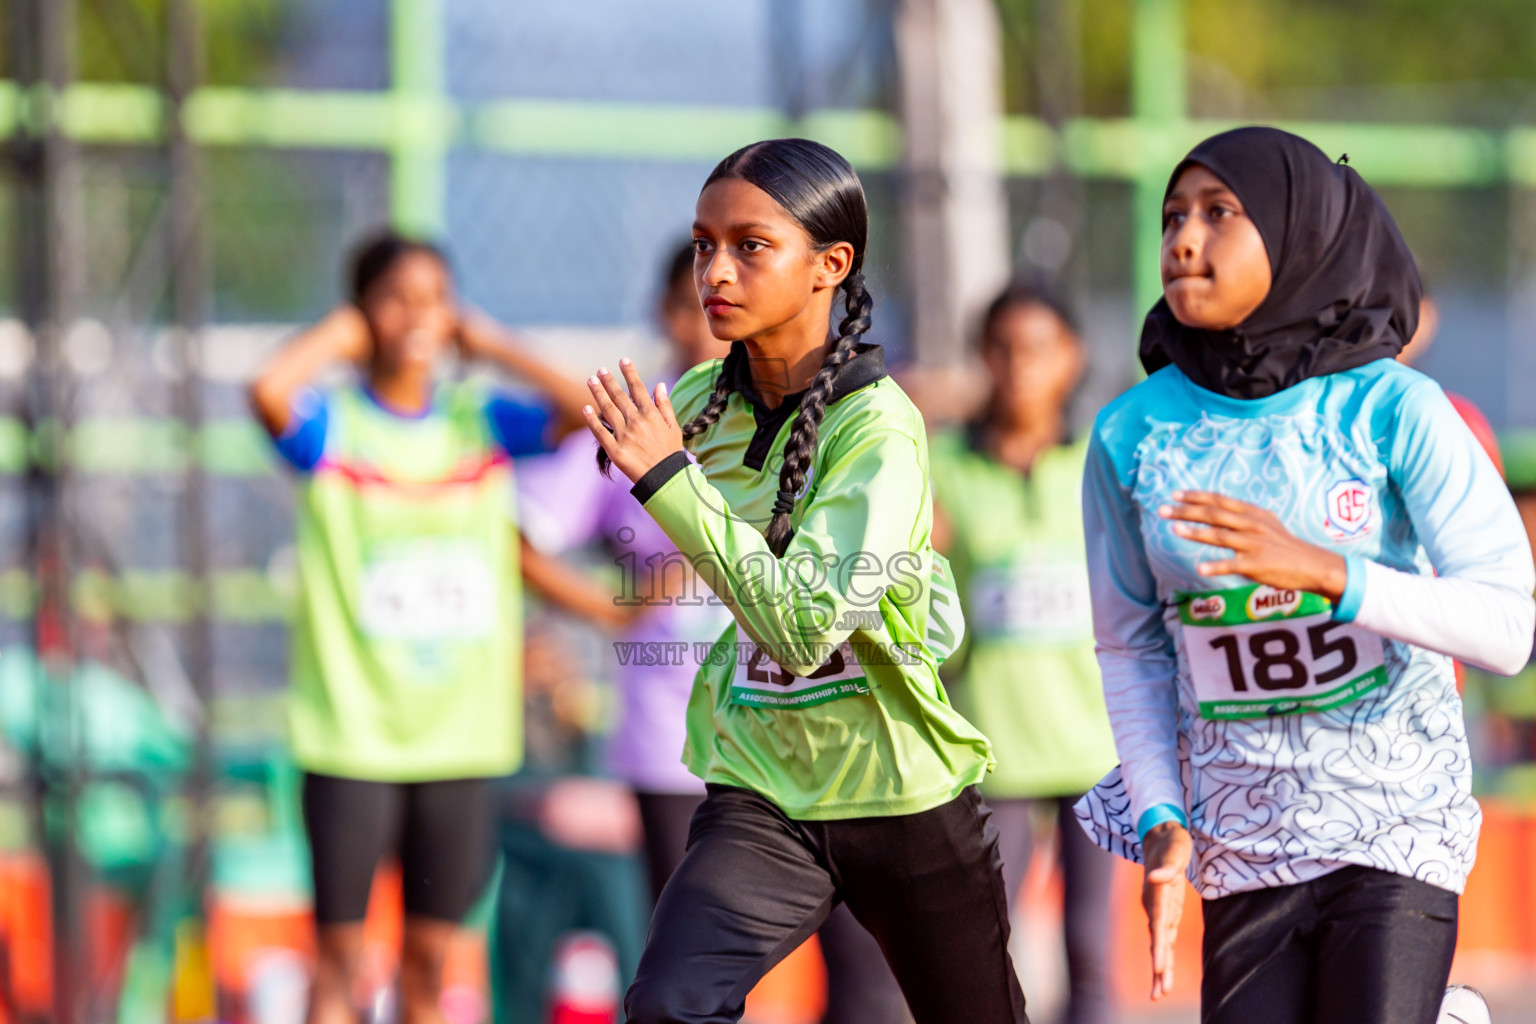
x=830 y=705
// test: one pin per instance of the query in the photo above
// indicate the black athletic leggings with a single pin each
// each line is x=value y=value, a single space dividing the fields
x=1357 y=946
x=860 y=988
x=664 y=821
x=755 y=884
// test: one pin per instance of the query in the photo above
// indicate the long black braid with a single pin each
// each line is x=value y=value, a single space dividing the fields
x=800 y=449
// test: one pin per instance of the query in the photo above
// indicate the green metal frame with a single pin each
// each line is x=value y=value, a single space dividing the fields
x=417 y=124
x=416 y=129
x=423 y=120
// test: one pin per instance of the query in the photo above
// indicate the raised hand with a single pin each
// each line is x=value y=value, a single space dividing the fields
x=1262 y=548
x=636 y=431
x=348 y=331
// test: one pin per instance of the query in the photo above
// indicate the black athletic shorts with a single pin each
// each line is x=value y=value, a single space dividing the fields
x=441 y=832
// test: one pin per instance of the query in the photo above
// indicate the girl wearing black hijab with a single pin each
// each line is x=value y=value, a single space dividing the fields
x=1290 y=537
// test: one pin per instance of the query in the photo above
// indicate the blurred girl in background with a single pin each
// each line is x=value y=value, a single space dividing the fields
x=1008 y=512
x=565 y=505
x=405 y=652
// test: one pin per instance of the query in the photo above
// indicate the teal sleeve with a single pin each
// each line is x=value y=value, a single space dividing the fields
x=1354 y=589
x=1156 y=815
x=854 y=542
x=1137 y=661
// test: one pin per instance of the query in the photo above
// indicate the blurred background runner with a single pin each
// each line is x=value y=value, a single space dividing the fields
x=1007 y=491
x=404 y=701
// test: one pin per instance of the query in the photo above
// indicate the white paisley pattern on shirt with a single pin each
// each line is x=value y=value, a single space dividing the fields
x=1383 y=781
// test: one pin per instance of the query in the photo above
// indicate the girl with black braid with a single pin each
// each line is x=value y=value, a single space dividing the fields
x=836 y=770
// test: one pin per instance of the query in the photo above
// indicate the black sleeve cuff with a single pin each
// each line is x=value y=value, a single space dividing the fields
x=658 y=475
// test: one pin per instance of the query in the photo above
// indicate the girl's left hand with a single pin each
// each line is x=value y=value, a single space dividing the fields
x=1262 y=548
x=643 y=432
x=1165 y=856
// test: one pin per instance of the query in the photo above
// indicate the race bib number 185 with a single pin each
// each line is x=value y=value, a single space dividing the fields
x=1257 y=651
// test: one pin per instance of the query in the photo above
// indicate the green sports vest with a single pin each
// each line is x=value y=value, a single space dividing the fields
x=1027 y=669
x=406 y=647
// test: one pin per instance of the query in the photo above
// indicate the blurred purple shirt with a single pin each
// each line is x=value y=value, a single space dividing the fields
x=565 y=503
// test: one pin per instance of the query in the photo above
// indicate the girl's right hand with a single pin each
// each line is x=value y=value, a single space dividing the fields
x=347 y=330
x=341 y=335
x=1165 y=854
x=636 y=428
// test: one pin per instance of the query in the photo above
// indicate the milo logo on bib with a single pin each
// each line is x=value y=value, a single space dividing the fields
x=1213 y=607
x=1259 y=650
x=1266 y=602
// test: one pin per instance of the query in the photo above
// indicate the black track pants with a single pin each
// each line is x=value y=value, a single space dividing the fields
x=1357 y=946
x=754 y=884
x=860 y=988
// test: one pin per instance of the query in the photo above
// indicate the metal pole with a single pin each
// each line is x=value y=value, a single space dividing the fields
x=1049 y=241
x=786 y=28
x=954 y=212
x=1159 y=105
x=48 y=261
x=195 y=996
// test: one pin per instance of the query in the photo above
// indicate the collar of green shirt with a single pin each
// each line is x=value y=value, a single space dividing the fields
x=866 y=367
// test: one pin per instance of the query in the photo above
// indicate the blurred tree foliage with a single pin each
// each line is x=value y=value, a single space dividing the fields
x=1103 y=54
x=1479 y=54
x=1320 y=43
x=124 y=40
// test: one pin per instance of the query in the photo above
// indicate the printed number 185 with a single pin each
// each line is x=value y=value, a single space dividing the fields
x=1275 y=650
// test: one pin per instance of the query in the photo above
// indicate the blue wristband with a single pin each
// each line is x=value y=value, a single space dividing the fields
x=1157 y=814
x=1354 y=589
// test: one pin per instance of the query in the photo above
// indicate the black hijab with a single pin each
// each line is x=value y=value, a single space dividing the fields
x=1344 y=289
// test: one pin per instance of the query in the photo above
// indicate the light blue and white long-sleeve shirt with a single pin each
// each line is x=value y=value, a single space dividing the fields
x=1294 y=737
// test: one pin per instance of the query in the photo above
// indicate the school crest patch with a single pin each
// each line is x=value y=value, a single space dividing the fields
x=1349 y=509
